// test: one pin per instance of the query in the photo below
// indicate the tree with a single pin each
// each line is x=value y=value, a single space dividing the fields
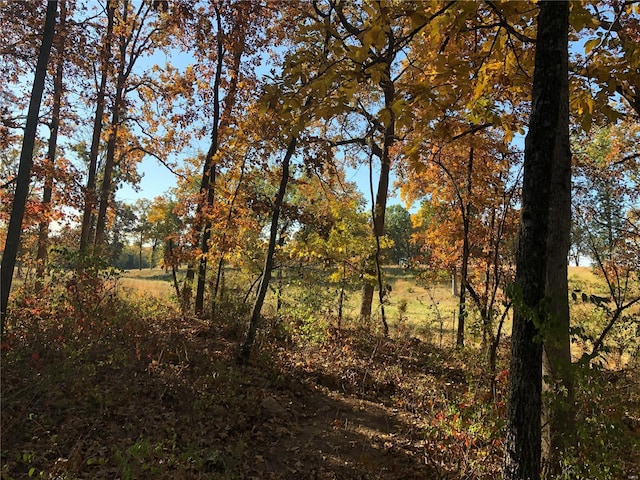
x=54 y=125
x=352 y=63
x=26 y=160
x=247 y=344
x=92 y=167
x=242 y=19
x=579 y=246
x=558 y=414
x=166 y=226
x=142 y=228
x=609 y=67
x=134 y=38
x=546 y=131
x=606 y=205
x=457 y=92
x=398 y=228
x=469 y=189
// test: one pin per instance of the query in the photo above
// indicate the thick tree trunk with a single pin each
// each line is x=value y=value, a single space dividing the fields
x=247 y=345
x=23 y=179
x=366 y=299
x=558 y=418
x=90 y=190
x=523 y=434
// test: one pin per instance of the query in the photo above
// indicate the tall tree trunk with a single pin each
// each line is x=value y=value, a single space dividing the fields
x=220 y=124
x=558 y=418
x=366 y=298
x=43 y=227
x=247 y=345
x=106 y=188
x=209 y=174
x=174 y=275
x=466 y=253
x=26 y=161
x=281 y=240
x=141 y=240
x=523 y=433
x=380 y=204
x=90 y=190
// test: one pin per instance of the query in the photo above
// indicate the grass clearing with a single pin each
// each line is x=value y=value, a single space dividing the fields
x=136 y=286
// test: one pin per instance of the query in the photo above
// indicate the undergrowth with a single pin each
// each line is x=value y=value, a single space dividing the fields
x=99 y=386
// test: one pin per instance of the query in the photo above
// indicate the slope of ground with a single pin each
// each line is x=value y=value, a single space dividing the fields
x=99 y=387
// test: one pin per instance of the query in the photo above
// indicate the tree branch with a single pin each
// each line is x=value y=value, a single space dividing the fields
x=503 y=22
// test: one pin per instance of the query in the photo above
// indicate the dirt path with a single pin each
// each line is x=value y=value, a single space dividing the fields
x=325 y=435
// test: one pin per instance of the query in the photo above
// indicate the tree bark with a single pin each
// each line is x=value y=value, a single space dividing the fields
x=132 y=43
x=366 y=299
x=523 y=434
x=247 y=345
x=23 y=179
x=106 y=188
x=558 y=418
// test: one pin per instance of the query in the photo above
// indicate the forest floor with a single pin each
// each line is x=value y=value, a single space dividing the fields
x=162 y=397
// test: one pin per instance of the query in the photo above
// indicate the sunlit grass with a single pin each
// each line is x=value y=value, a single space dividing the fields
x=585 y=278
x=412 y=307
x=154 y=288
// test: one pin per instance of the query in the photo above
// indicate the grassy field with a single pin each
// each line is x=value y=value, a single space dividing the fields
x=410 y=304
x=154 y=282
x=413 y=308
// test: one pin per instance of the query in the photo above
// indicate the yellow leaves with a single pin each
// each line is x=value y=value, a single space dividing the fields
x=377 y=72
x=385 y=116
x=580 y=17
x=418 y=19
x=403 y=113
x=374 y=37
x=583 y=105
x=483 y=110
x=189 y=74
x=399 y=106
x=589 y=45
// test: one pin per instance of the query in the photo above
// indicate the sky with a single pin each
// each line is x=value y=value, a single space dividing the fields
x=157 y=180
